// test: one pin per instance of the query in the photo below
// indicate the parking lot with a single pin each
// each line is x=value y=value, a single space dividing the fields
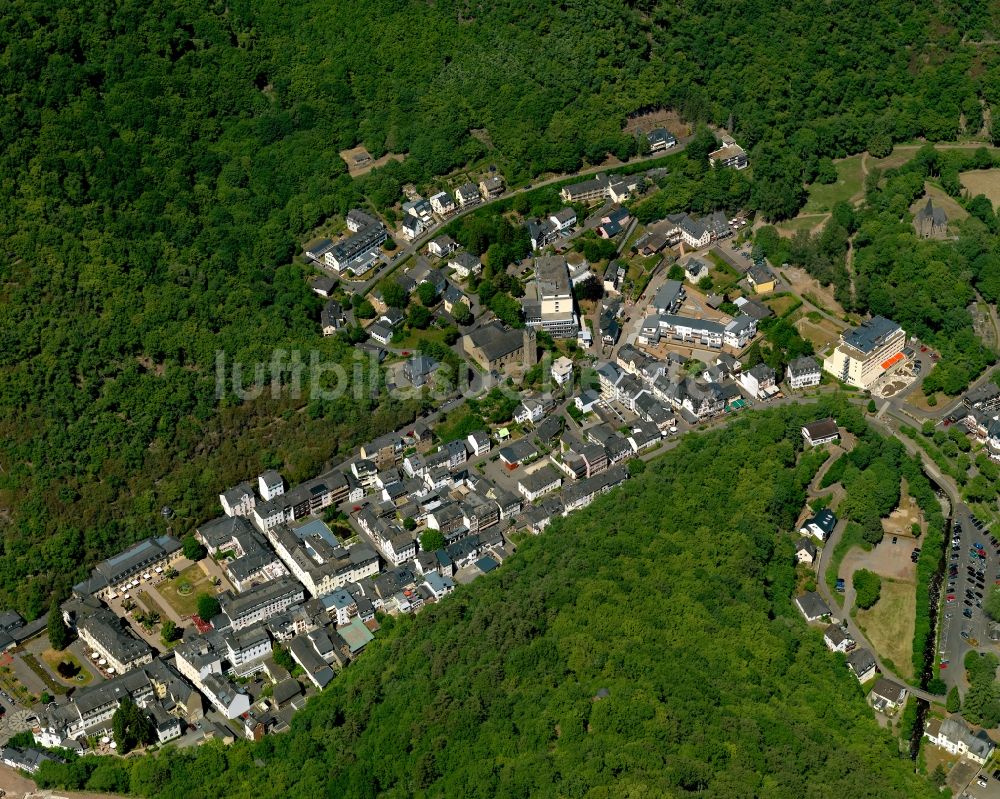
x=976 y=789
x=972 y=570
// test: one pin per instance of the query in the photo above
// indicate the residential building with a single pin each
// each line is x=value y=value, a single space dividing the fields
x=467 y=195
x=270 y=484
x=660 y=139
x=303 y=650
x=464 y=264
x=357 y=248
x=805 y=551
x=332 y=318
x=442 y=246
x=260 y=602
x=587 y=400
x=669 y=297
x=452 y=296
x=820 y=525
x=761 y=279
x=705 y=332
x=837 y=639
x=953 y=736
x=563 y=219
x=822 y=432
x=229 y=700
x=443 y=203
x=866 y=352
x=562 y=370
x=587 y=191
x=759 y=381
x=812 y=606
x=439 y=585
x=803 y=372
x=411 y=227
x=479 y=442
x=491 y=187
x=862 y=664
x=730 y=155
x=247 y=648
x=548 y=302
x=984 y=398
x=238 y=501
x=385 y=450
x=887 y=696
x=358 y=220
x=419 y=369
x=541 y=481
x=541 y=232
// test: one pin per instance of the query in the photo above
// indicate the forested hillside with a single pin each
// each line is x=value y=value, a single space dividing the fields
x=160 y=161
x=672 y=594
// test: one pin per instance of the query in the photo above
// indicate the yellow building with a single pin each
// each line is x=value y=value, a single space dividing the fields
x=866 y=352
x=761 y=279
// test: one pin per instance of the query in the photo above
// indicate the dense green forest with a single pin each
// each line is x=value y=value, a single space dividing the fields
x=672 y=594
x=162 y=161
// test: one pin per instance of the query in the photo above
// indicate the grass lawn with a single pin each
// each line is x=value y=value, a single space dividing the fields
x=983 y=181
x=806 y=223
x=889 y=624
x=782 y=305
x=152 y=605
x=822 y=334
x=414 y=339
x=942 y=200
x=822 y=197
x=182 y=591
x=53 y=659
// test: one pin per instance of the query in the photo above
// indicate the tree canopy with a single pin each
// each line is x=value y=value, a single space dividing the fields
x=647 y=645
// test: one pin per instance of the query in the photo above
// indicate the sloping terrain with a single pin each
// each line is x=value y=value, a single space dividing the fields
x=671 y=595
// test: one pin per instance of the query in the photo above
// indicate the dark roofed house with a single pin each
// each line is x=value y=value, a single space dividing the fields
x=821 y=525
x=805 y=551
x=660 y=139
x=862 y=663
x=418 y=369
x=822 y=432
x=812 y=606
x=324 y=286
x=886 y=695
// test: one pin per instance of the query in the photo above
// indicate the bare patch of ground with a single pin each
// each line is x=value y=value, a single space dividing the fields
x=356 y=168
x=663 y=118
x=803 y=283
x=900 y=522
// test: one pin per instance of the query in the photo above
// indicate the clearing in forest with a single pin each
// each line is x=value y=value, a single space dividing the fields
x=847 y=187
x=983 y=181
x=941 y=200
x=900 y=522
x=359 y=161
